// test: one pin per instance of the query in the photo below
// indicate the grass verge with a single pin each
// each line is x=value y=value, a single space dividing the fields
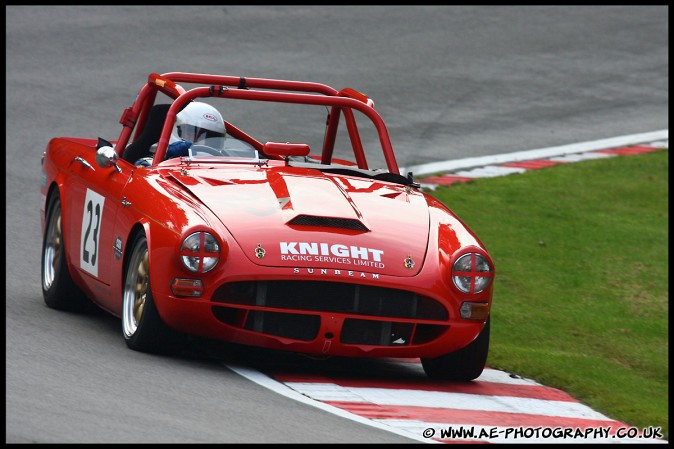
x=581 y=289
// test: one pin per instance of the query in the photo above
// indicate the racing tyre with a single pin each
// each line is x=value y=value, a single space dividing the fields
x=463 y=365
x=58 y=288
x=142 y=326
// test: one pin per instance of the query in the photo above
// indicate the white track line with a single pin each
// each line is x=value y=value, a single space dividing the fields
x=541 y=153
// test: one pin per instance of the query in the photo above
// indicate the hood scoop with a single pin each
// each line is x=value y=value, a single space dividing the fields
x=328 y=222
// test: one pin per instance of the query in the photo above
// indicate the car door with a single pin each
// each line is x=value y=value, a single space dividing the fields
x=94 y=197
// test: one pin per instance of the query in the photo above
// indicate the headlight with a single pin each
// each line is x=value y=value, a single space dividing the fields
x=200 y=252
x=471 y=273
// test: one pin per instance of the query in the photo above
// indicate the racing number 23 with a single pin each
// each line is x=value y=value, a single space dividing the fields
x=91 y=231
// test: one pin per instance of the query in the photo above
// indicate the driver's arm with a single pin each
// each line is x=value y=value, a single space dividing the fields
x=178 y=149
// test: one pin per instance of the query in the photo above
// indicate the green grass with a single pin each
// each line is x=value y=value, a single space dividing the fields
x=581 y=290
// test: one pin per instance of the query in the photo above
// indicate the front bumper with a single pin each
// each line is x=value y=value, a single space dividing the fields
x=322 y=318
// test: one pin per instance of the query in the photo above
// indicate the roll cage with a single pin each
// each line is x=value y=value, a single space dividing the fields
x=260 y=89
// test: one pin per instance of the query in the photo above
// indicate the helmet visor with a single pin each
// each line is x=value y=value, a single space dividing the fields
x=199 y=135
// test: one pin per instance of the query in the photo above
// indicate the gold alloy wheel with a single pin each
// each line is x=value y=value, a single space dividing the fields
x=141 y=288
x=136 y=287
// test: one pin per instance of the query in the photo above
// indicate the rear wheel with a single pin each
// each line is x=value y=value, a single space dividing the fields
x=463 y=365
x=58 y=288
x=142 y=326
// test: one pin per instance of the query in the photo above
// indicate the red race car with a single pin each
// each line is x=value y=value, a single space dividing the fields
x=235 y=230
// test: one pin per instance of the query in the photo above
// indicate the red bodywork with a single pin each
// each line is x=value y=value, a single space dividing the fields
x=367 y=274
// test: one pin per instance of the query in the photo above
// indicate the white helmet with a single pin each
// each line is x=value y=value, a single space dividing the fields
x=198 y=122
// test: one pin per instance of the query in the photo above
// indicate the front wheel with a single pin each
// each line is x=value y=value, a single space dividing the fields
x=463 y=365
x=142 y=326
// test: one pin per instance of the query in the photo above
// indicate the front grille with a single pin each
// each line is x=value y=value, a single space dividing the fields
x=332 y=297
x=401 y=316
x=328 y=222
x=289 y=325
x=295 y=326
x=381 y=333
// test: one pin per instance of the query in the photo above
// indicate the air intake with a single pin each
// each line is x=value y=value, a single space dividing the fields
x=328 y=222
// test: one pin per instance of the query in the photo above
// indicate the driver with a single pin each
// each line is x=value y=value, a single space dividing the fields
x=198 y=123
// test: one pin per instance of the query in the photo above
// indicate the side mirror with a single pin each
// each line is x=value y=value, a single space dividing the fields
x=106 y=155
x=285 y=150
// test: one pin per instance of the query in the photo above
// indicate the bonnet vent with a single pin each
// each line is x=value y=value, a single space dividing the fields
x=328 y=222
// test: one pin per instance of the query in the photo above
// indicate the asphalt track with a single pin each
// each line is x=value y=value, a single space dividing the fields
x=451 y=82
